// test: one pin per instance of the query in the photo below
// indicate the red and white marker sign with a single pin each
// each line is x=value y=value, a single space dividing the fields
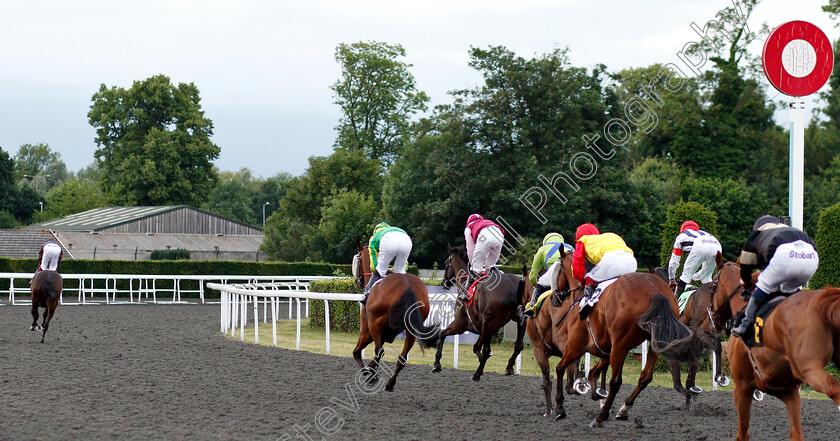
x=797 y=58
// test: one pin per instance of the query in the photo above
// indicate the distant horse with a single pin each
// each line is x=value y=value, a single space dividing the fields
x=548 y=334
x=397 y=303
x=495 y=303
x=46 y=291
x=696 y=315
x=631 y=310
x=800 y=338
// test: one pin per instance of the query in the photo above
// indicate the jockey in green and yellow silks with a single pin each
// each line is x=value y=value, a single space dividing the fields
x=386 y=244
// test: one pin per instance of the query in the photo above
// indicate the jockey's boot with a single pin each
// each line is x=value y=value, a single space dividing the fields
x=747 y=321
x=462 y=293
x=529 y=309
x=373 y=278
x=587 y=294
x=680 y=289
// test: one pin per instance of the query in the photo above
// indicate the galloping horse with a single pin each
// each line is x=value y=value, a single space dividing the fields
x=696 y=315
x=800 y=338
x=631 y=310
x=397 y=303
x=46 y=291
x=495 y=303
x=548 y=334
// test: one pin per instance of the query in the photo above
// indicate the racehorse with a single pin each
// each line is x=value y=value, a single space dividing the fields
x=397 y=303
x=495 y=303
x=548 y=333
x=800 y=338
x=696 y=315
x=46 y=291
x=361 y=266
x=631 y=310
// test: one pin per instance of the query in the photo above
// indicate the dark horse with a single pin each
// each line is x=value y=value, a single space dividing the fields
x=548 y=334
x=696 y=315
x=495 y=303
x=631 y=310
x=800 y=338
x=46 y=291
x=397 y=303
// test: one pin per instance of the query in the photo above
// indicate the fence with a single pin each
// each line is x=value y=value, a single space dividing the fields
x=237 y=298
x=88 y=285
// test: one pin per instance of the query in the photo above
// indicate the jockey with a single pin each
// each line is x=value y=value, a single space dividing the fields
x=387 y=243
x=787 y=257
x=608 y=252
x=700 y=248
x=48 y=257
x=547 y=256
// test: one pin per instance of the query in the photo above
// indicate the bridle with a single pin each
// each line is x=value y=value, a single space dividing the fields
x=713 y=311
x=458 y=277
x=360 y=277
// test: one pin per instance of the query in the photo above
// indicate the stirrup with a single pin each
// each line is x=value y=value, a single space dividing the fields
x=529 y=312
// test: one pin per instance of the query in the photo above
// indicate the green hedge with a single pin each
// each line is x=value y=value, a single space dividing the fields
x=176 y=254
x=344 y=315
x=173 y=267
x=679 y=213
x=828 y=247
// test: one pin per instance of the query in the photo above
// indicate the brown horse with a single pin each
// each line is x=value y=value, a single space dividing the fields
x=631 y=310
x=548 y=333
x=46 y=291
x=495 y=303
x=800 y=338
x=696 y=315
x=397 y=303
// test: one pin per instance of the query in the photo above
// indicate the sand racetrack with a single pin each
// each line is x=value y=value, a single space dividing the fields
x=165 y=372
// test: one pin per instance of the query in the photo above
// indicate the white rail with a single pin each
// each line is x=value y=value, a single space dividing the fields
x=148 y=285
x=236 y=299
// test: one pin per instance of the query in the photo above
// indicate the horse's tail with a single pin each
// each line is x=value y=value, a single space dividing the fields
x=828 y=304
x=406 y=315
x=668 y=336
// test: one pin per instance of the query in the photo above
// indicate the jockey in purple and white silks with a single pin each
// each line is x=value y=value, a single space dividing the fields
x=700 y=248
x=788 y=259
x=484 y=243
x=48 y=257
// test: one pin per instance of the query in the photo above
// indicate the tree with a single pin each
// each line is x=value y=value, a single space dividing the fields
x=155 y=140
x=20 y=202
x=73 y=196
x=32 y=159
x=346 y=218
x=677 y=214
x=828 y=247
x=231 y=199
x=378 y=96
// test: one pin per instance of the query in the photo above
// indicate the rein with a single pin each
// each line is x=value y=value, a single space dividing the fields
x=572 y=305
x=713 y=312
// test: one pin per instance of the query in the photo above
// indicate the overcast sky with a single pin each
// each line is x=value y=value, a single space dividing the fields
x=264 y=68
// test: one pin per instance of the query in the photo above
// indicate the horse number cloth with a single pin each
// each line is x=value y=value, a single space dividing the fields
x=597 y=294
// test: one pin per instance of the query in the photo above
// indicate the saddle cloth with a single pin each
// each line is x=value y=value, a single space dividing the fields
x=753 y=338
x=597 y=294
x=683 y=300
x=471 y=289
x=540 y=300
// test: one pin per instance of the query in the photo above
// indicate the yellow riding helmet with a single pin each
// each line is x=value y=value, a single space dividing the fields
x=553 y=237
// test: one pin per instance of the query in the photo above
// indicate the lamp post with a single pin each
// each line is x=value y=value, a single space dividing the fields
x=42 y=205
x=267 y=203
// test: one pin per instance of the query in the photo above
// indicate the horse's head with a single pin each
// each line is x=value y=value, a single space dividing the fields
x=725 y=286
x=361 y=261
x=456 y=270
x=566 y=282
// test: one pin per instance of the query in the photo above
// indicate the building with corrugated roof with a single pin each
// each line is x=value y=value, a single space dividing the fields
x=132 y=233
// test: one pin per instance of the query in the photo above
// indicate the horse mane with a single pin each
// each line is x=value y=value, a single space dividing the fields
x=461 y=251
x=828 y=305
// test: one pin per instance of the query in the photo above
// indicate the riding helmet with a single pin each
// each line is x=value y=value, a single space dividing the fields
x=585 y=230
x=689 y=225
x=553 y=237
x=764 y=220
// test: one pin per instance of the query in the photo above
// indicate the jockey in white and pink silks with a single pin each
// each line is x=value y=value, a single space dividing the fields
x=49 y=257
x=484 y=243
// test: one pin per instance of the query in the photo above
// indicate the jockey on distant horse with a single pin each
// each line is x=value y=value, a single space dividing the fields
x=788 y=259
x=547 y=256
x=48 y=257
x=608 y=252
x=387 y=243
x=700 y=248
x=484 y=245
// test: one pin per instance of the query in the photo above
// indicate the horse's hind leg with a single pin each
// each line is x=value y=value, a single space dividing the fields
x=793 y=403
x=617 y=357
x=815 y=376
x=483 y=345
x=458 y=326
x=34 y=315
x=674 y=367
x=48 y=315
x=517 y=348
x=644 y=379
x=401 y=361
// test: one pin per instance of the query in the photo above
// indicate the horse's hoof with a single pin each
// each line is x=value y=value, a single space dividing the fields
x=722 y=380
x=695 y=390
x=601 y=392
x=758 y=395
x=436 y=368
x=476 y=377
x=596 y=424
x=581 y=386
x=509 y=372
x=389 y=387
x=559 y=416
x=621 y=417
x=32 y=328
x=39 y=328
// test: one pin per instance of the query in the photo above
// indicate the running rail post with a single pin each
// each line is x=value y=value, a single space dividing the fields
x=326 y=322
x=714 y=371
x=274 y=319
x=243 y=308
x=455 y=352
x=297 y=343
x=644 y=353
x=256 y=320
